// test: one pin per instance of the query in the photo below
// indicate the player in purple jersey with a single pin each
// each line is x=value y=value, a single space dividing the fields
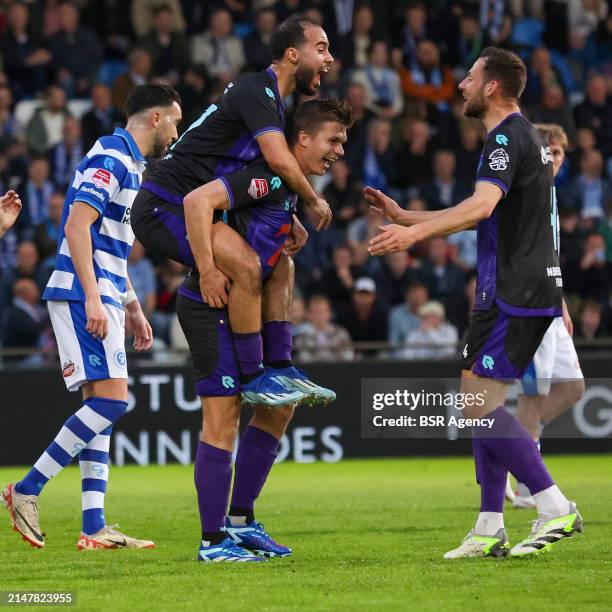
x=316 y=137
x=517 y=296
x=553 y=381
x=244 y=124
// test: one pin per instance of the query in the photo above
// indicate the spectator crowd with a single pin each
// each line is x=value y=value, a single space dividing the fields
x=66 y=68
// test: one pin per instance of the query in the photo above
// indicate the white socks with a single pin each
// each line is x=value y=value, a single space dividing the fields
x=551 y=503
x=489 y=523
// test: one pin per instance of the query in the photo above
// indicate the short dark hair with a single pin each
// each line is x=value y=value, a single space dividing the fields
x=309 y=115
x=507 y=68
x=149 y=96
x=290 y=33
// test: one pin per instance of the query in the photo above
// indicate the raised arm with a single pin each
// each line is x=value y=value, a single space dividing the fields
x=464 y=215
x=276 y=152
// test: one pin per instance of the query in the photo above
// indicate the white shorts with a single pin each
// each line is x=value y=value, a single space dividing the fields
x=555 y=361
x=82 y=357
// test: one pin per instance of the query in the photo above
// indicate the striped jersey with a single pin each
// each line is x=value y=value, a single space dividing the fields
x=108 y=179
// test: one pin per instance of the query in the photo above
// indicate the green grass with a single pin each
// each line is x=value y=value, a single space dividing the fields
x=365 y=534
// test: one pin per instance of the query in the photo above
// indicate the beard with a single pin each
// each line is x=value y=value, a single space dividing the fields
x=476 y=107
x=159 y=147
x=303 y=81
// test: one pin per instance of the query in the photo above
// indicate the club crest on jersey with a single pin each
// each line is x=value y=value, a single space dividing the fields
x=258 y=188
x=68 y=369
x=498 y=160
x=101 y=178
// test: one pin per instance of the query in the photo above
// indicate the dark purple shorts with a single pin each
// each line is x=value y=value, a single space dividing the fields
x=501 y=346
x=209 y=337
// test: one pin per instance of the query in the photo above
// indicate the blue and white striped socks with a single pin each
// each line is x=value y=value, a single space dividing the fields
x=93 y=462
x=96 y=415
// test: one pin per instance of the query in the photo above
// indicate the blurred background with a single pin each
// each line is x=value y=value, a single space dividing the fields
x=67 y=67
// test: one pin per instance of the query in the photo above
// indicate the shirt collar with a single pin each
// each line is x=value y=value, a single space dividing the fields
x=131 y=143
x=272 y=74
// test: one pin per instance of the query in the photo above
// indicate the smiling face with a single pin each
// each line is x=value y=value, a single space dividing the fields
x=472 y=89
x=317 y=152
x=313 y=58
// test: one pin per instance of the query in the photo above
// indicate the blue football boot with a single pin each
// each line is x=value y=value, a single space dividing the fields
x=226 y=552
x=254 y=537
x=296 y=380
x=268 y=391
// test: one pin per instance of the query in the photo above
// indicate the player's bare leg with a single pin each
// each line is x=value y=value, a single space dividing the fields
x=277 y=334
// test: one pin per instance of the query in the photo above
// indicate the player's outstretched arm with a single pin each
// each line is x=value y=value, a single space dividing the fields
x=77 y=230
x=199 y=205
x=135 y=321
x=10 y=205
x=464 y=215
x=276 y=152
x=390 y=210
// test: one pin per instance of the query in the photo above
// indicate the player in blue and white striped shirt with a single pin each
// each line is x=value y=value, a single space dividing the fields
x=86 y=296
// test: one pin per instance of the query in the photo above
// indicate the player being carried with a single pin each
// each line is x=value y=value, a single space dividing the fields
x=518 y=294
x=553 y=381
x=246 y=123
x=316 y=137
x=92 y=303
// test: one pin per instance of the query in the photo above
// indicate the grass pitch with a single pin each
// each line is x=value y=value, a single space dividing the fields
x=365 y=534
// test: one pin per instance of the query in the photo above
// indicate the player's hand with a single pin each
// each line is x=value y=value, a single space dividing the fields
x=214 y=287
x=320 y=208
x=298 y=236
x=567 y=319
x=97 y=323
x=392 y=238
x=137 y=325
x=10 y=205
x=382 y=204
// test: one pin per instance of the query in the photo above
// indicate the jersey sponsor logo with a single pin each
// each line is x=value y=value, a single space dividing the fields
x=109 y=163
x=101 y=178
x=275 y=183
x=258 y=188
x=502 y=139
x=93 y=192
x=126 y=216
x=270 y=93
x=119 y=358
x=546 y=155
x=498 y=160
x=68 y=369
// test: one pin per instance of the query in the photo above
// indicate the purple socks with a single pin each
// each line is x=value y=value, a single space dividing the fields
x=249 y=352
x=491 y=476
x=213 y=477
x=512 y=445
x=278 y=342
x=257 y=451
x=507 y=446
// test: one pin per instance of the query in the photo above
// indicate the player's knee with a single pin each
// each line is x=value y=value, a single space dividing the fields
x=250 y=274
x=575 y=391
x=220 y=431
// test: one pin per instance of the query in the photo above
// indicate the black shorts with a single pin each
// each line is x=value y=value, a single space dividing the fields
x=160 y=226
x=208 y=334
x=501 y=346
